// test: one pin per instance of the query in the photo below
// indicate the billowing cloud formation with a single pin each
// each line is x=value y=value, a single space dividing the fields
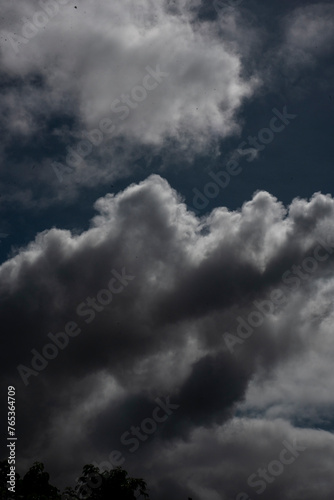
x=236 y=462
x=102 y=54
x=152 y=302
x=140 y=74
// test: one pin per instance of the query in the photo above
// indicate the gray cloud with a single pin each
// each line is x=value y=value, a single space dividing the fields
x=86 y=60
x=309 y=33
x=216 y=464
x=163 y=335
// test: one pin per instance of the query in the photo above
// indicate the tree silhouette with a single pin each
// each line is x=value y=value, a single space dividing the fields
x=4 y=470
x=34 y=485
x=93 y=484
x=115 y=483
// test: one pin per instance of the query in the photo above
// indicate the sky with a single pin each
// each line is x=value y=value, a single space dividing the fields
x=167 y=242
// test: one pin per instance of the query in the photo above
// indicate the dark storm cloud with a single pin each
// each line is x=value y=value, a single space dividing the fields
x=191 y=348
x=161 y=332
x=206 y=397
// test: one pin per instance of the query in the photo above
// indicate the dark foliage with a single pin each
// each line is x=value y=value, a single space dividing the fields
x=92 y=485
